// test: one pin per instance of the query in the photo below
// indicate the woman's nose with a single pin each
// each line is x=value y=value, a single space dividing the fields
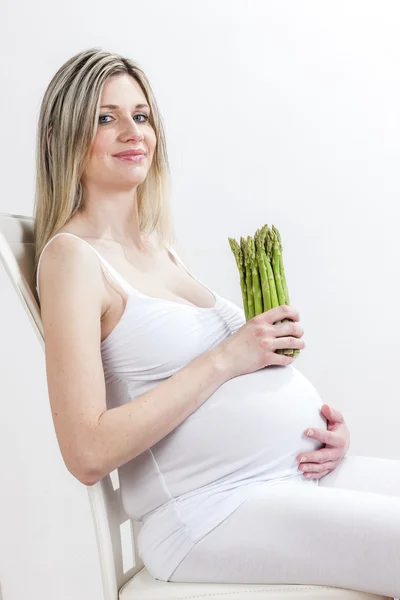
x=131 y=130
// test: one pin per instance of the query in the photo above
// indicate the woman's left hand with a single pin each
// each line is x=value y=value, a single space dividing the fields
x=336 y=439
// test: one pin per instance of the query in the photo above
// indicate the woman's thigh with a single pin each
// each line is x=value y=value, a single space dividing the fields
x=365 y=474
x=296 y=533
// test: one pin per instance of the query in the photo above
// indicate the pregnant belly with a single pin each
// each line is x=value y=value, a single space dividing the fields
x=251 y=428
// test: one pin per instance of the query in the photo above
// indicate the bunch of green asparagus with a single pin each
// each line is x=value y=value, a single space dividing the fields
x=262 y=275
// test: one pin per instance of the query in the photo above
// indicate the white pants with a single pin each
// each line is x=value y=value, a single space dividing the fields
x=344 y=532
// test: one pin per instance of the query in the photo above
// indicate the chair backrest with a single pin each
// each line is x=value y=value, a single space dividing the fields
x=115 y=532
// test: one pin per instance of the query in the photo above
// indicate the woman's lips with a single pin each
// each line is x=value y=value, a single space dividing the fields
x=131 y=157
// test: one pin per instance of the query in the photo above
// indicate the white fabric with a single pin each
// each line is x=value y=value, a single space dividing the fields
x=343 y=533
x=247 y=433
x=144 y=587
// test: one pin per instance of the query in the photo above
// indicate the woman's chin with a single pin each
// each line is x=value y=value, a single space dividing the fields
x=130 y=183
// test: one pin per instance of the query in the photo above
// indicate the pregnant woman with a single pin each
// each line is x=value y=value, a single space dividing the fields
x=151 y=372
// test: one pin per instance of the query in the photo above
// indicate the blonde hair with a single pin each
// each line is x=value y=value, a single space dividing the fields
x=66 y=130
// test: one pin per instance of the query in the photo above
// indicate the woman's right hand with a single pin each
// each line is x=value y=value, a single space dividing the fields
x=252 y=347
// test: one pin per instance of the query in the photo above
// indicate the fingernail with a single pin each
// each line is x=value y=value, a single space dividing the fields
x=303 y=459
x=310 y=432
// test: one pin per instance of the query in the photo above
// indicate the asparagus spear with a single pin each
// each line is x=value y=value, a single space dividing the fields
x=261 y=260
x=270 y=274
x=237 y=251
x=281 y=267
x=249 y=279
x=258 y=302
x=274 y=259
x=278 y=243
x=276 y=267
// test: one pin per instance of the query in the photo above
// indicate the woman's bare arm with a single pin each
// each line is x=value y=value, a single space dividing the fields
x=93 y=440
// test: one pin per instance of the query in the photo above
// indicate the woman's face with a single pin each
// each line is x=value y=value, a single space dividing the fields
x=123 y=127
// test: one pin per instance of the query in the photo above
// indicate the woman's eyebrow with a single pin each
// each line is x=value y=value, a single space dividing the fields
x=115 y=107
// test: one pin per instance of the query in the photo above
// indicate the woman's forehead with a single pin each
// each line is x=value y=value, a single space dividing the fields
x=122 y=88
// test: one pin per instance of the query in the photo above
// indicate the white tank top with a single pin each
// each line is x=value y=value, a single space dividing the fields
x=247 y=433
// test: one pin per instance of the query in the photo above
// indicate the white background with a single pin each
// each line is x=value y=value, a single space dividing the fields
x=283 y=112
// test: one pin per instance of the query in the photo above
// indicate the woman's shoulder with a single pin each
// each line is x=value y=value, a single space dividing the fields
x=66 y=266
x=65 y=250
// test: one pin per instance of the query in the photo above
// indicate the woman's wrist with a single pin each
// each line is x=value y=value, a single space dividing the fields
x=221 y=364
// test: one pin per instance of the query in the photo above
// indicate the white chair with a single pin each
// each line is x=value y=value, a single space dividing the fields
x=121 y=581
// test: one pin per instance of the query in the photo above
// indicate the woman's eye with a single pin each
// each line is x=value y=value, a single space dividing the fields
x=145 y=118
x=101 y=117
